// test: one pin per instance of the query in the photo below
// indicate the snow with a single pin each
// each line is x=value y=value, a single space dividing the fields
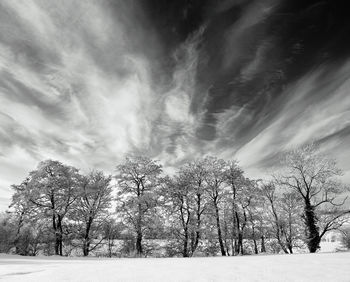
x=297 y=267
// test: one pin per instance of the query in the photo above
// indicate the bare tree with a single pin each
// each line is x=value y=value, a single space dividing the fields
x=180 y=206
x=240 y=200
x=291 y=208
x=91 y=208
x=138 y=181
x=312 y=176
x=21 y=208
x=215 y=187
x=284 y=210
x=196 y=171
x=52 y=189
x=112 y=231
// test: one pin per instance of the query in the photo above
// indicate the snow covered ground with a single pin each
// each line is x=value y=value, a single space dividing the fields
x=298 y=267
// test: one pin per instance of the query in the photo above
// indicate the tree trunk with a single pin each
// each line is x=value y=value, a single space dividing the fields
x=109 y=248
x=312 y=231
x=256 y=251
x=240 y=244
x=57 y=246
x=263 y=247
x=185 y=223
x=61 y=246
x=57 y=240
x=18 y=232
x=86 y=248
x=139 y=250
x=60 y=235
x=238 y=233
x=86 y=243
x=226 y=239
x=232 y=246
x=57 y=226
x=218 y=227
x=197 y=233
x=185 y=245
x=283 y=247
x=236 y=247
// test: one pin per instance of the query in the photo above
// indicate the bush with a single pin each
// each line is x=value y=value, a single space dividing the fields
x=7 y=233
x=345 y=238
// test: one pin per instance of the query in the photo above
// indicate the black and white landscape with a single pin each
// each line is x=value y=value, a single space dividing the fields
x=174 y=128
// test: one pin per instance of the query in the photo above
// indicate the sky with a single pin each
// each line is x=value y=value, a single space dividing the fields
x=88 y=82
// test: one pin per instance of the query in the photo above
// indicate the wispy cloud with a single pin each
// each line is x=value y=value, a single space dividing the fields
x=88 y=82
x=72 y=86
x=319 y=107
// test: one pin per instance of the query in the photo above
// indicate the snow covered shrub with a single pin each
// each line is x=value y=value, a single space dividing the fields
x=345 y=238
x=7 y=233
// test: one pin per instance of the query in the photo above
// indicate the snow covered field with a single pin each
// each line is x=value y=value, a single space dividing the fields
x=298 y=267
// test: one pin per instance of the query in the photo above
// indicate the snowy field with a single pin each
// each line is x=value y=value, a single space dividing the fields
x=298 y=267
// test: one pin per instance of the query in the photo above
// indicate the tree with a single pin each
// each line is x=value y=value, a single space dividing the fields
x=291 y=209
x=284 y=209
x=240 y=200
x=138 y=182
x=256 y=220
x=27 y=223
x=312 y=176
x=195 y=173
x=244 y=202
x=345 y=237
x=179 y=203
x=21 y=210
x=52 y=189
x=7 y=232
x=91 y=208
x=112 y=231
x=215 y=187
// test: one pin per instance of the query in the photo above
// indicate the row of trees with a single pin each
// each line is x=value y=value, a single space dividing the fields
x=208 y=206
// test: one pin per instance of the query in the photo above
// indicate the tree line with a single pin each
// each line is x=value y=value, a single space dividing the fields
x=208 y=207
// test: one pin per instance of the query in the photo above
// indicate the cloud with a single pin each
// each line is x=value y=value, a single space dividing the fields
x=89 y=82
x=72 y=85
x=312 y=113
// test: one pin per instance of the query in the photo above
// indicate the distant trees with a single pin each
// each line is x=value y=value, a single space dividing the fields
x=284 y=211
x=208 y=207
x=21 y=210
x=345 y=237
x=111 y=232
x=7 y=233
